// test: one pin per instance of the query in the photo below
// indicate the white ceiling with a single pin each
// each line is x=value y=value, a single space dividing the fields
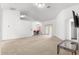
x=39 y=13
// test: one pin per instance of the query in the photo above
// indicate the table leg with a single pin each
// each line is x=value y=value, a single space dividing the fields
x=75 y=53
x=72 y=53
x=58 y=49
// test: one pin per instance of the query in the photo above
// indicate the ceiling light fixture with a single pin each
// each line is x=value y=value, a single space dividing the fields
x=22 y=16
x=40 y=5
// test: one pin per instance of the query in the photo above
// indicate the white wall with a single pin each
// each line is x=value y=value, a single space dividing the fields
x=60 y=25
x=0 y=22
x=61 y=21
x=13 y=27
x=52 y=22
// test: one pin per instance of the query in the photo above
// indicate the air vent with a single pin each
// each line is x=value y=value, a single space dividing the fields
x=12 y=8
x=48 y=6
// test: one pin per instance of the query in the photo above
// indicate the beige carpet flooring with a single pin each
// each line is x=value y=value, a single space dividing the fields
x=36 y=45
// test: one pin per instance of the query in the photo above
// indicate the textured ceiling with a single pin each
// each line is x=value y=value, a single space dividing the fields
x=50 y=11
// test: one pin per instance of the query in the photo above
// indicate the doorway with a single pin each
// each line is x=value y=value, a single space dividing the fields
x=73 y=32
x=49 y=29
